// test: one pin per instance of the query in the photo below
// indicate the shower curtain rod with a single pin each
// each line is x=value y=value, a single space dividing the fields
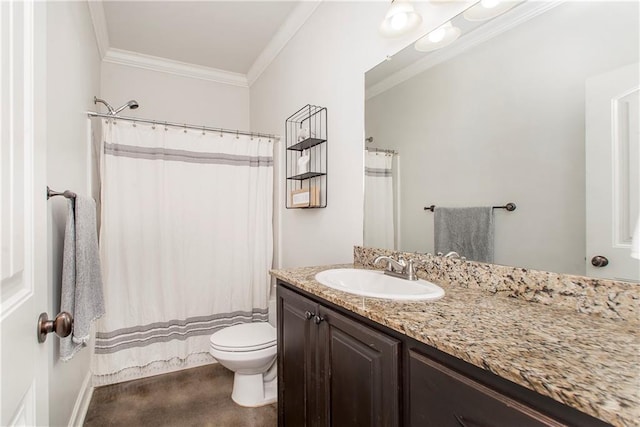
x=381 y=150
x=183 y=125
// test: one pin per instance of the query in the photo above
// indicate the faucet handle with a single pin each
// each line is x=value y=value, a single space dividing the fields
x=411 y=271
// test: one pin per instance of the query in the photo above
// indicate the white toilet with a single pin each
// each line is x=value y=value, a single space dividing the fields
x=249 y=350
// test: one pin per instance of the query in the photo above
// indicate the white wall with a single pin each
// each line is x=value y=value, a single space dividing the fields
x=73 y=77
x=324 y=64
x=171 y=97
x=504 y=122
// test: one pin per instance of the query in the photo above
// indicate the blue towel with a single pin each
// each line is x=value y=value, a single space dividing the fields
x=468 y=231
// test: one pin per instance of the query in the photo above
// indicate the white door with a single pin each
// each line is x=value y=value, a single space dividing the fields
x=23 y=293
x=613 y=172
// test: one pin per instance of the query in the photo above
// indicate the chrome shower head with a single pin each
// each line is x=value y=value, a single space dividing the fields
x=131 y=104
x=113 y=111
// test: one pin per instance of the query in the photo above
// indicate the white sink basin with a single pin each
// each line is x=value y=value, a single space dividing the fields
x=374 y=283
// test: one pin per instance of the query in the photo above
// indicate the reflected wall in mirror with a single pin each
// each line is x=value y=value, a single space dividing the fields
x=543 y=114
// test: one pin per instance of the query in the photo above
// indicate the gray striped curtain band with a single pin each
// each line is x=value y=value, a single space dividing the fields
x=144 y=335
x=377 y=172
x=170 y=154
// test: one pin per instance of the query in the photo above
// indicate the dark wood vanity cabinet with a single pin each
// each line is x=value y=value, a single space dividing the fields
x=297 y=360
x=358 y=373
x=333 y=370
x=338 y=369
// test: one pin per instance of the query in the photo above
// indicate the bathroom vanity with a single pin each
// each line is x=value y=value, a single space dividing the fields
x=471 y=359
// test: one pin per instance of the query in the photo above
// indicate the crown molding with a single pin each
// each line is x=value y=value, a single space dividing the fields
x=96 y=10
x=285 y=33
x=164 y=65
x=482 y=34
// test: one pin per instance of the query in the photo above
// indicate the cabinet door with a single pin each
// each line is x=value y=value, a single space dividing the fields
x=297 y=370
x=359 y=373
x=441 y=397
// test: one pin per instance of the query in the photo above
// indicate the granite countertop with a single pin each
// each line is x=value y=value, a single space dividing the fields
x=586 y=362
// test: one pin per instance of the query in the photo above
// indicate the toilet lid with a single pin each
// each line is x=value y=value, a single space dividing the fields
x=244 y=337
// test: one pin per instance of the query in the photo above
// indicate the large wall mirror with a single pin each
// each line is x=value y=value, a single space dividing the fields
x=538 y=106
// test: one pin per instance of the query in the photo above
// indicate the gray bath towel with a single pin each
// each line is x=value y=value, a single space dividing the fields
x=468 y=231
x=81 y=276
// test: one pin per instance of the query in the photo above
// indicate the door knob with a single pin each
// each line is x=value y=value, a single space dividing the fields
x=599 y=261
x=308 y=315
x=62 y=325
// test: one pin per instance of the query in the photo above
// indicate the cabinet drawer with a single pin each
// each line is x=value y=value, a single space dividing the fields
x=441 y=397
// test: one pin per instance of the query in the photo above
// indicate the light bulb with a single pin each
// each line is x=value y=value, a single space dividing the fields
x=399 y=20
x=489 y=4
x=436 y=36
x=488 y=9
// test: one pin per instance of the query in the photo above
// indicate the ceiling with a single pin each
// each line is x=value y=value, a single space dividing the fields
x=225 y=35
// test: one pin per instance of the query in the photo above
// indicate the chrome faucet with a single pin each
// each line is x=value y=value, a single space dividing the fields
x=398 y=268
x=453 y=255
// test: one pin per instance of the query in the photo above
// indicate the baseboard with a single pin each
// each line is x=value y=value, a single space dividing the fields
x=82 y=402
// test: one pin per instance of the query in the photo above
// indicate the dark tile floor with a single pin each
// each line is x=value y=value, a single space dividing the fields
x=193 y=397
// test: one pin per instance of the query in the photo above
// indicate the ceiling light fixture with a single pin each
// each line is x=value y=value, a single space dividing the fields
x=401 y=18
x=438 y=38
x=488 y=9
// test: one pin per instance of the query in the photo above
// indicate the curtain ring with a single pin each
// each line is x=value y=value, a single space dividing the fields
x=134 y=123
x=165 y=126
x=203 y=132
x=237 y=136
x=153 y=125
x=184 y=125
x=221 y=133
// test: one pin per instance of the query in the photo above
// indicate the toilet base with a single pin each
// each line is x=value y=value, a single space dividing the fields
x=251 y=391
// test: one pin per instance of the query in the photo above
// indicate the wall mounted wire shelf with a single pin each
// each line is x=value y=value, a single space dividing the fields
x=306 y=158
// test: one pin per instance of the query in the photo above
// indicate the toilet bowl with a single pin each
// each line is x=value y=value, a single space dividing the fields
x=249 y=350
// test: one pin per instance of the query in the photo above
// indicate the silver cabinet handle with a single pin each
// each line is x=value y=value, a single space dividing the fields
x=465 y=422
x=599 y=261
x=62 y=325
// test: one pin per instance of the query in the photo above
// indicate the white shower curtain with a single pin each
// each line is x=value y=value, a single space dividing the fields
x=186 y=244
x=378 y=200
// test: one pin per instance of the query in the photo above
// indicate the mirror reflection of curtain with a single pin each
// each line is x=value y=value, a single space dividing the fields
x=378 y=200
